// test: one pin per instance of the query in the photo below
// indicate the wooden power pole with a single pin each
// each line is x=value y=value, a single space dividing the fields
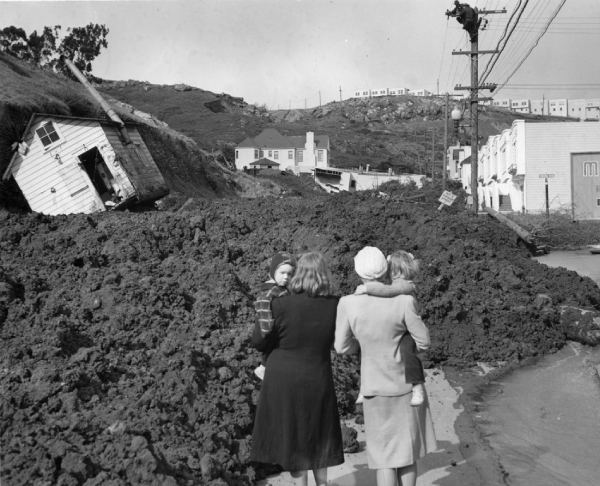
x=445 y=158
x=474 y=100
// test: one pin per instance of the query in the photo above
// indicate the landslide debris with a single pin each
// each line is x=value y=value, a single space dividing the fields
x=125 y=355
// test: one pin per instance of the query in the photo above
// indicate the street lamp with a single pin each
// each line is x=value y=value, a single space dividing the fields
x=456 y=115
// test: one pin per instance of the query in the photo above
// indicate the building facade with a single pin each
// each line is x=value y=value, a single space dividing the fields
x=297 y=153
x=373 y=93
x=514 y=165
x=584 y=109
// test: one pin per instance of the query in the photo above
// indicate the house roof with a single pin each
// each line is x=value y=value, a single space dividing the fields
x=264 y=161
x=272 y=139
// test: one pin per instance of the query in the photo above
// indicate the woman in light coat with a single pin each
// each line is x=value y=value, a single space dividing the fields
x=397 y=434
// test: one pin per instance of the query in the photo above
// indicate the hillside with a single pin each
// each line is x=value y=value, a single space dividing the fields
x=187 y=169
x=387 y=130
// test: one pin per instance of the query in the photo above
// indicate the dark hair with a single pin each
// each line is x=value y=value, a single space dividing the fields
x=312 y=276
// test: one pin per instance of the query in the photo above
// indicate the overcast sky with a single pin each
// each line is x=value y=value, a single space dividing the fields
x=285 y=52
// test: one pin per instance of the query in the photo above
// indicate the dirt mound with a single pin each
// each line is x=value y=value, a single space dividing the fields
x=125 y=355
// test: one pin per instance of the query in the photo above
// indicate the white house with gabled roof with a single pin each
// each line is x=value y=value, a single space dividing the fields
x=297 y=153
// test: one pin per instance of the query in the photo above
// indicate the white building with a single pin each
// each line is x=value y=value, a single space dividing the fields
x=379 y=92
x=369 y=93
x=592 y=109
x=559 y=107
x=459 y=164
x=576 y=109
x=420 y=92
x=539 y=107
x=67 y=165
x=512 y=166
x=297 y=153
x=506 y=104
x=336 y=180
x=521 y=106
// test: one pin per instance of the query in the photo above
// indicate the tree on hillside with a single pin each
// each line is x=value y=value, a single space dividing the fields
x=81 y=44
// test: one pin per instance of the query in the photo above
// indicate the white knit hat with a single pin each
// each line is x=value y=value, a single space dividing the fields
x=370 y=263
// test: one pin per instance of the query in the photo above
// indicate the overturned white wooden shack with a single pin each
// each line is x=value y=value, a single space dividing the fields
x=67 y=165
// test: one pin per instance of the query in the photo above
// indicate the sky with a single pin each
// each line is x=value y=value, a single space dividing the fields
x=300 y=53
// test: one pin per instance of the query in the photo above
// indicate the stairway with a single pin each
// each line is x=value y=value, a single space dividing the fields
x=505 y=205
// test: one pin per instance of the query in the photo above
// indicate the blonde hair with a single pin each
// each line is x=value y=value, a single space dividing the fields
x=312 y=276
x=403 y=264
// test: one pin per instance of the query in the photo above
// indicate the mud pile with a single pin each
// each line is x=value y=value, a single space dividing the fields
x=125 y=355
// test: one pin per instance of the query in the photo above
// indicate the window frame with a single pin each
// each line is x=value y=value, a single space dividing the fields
x=319 y=155
x=290 y=155
x=276 y=154
x=52 y=145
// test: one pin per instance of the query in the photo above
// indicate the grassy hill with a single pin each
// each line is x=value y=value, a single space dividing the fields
x=191 y=133
x=187 y=169
x=387 y=130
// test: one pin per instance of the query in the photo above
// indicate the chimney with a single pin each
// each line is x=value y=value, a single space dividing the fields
x=309 y=149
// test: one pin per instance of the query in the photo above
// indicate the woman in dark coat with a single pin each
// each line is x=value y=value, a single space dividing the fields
x=297 y=423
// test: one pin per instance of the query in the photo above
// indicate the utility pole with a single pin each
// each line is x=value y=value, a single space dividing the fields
x=340 y=94
x=445 y=161
x=471 y=25
x=319 y=99
x=432 y=156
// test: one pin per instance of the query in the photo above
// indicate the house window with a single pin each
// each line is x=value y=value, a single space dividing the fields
x=365 y=93
x=262 y=154
x=597 y=202
x=320 y=156
x=256 y=154
x=276 y=154
x=237 y=154
x=270 y=153
x=300 y=156
x=353 y=184
x=49 y=135
x=290 y=154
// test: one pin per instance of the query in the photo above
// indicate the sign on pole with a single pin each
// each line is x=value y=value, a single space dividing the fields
x=447 y=198
x=546 y=176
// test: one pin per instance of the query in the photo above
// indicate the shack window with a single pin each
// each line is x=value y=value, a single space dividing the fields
x=48 y=134
x=237 y=154
x=353 y=184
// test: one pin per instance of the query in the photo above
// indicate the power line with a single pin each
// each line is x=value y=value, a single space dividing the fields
x=535 y=44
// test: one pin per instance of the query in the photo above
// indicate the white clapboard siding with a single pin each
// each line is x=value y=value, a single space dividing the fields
x=138 y=162
x=51 y=187
x=548 y=148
